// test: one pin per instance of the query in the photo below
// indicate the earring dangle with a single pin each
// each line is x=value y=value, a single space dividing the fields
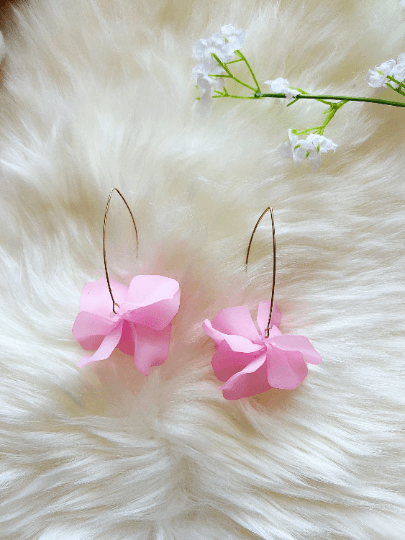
x=140 y=321
x=249 y=362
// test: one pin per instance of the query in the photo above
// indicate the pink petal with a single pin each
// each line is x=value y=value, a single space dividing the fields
x=90 y=329
x=226 y=362
x=236 y=321
x=127 y=341
x=263 y=313
x=302 y=344
x=250 y=381
x=285 y=369
x=274 y=331
x=152 y=301
x=95 y=297
x=236 y=343
x=151 y=347
x=106 y=348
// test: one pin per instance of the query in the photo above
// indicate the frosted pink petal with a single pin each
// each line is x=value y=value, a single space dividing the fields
x=274 y=331
x=285 y=369
x=152 y=301
x=250 y=381
x=236 y=321
x=236 y=343
x=263 y=313
x=127 y=343
x=106 y=348
x=95 y=297
x=227 y=362
x=90 y=329
x=302 y=344
x=151 y=347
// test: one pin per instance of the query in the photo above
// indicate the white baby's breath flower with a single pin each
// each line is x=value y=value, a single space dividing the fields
x=378 y=77
x=281 y=86
x=310 y=148
x=207 y=66
x=402 y=3
x=235 y=37
x=223 y=46
x=398 y=71
x=216 y=44
x=207 y=84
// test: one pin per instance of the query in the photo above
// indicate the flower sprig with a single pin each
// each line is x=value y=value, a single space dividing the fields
x=216 y=57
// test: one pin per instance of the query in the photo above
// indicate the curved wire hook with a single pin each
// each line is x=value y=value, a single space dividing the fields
x=104 y=229
x=274 y=260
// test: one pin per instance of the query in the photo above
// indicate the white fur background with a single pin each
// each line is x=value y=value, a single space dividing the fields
x=97 y=93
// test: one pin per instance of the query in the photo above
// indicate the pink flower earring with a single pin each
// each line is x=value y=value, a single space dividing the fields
x=141 y=326
x=250 y=363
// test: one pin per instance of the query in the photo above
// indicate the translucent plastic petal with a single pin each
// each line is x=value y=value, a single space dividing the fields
x=236 y=321
x=90 y=329
x=250 y=381
x=95 y=297
x=236 y=343
x=152 y=301
x=285 y=370
x=263 y=313
x=227 y=362
x=302 y=344
x=127 y=341
x=106 y=348
x=151 y=347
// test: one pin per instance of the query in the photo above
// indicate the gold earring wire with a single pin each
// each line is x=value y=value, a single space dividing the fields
x=104 y=229
x=274 y=260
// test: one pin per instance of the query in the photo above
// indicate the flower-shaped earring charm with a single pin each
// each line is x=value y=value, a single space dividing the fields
x=249 y=362
x=142 y=325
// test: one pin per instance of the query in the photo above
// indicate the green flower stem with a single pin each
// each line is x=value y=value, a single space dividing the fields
x=301 y=91
x=230 y=75
x=259 y=95
x=398 y=90
x=242 y=57
x=330 y=113
x=234 y=61
x=316 y=129
x=231 y=96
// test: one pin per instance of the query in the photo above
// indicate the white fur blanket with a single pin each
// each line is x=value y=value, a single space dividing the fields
x=98 y=93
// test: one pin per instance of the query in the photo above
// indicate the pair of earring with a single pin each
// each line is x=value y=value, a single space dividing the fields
x=248 y=362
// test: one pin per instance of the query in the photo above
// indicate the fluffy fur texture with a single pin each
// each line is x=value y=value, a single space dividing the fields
x=97 y=93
